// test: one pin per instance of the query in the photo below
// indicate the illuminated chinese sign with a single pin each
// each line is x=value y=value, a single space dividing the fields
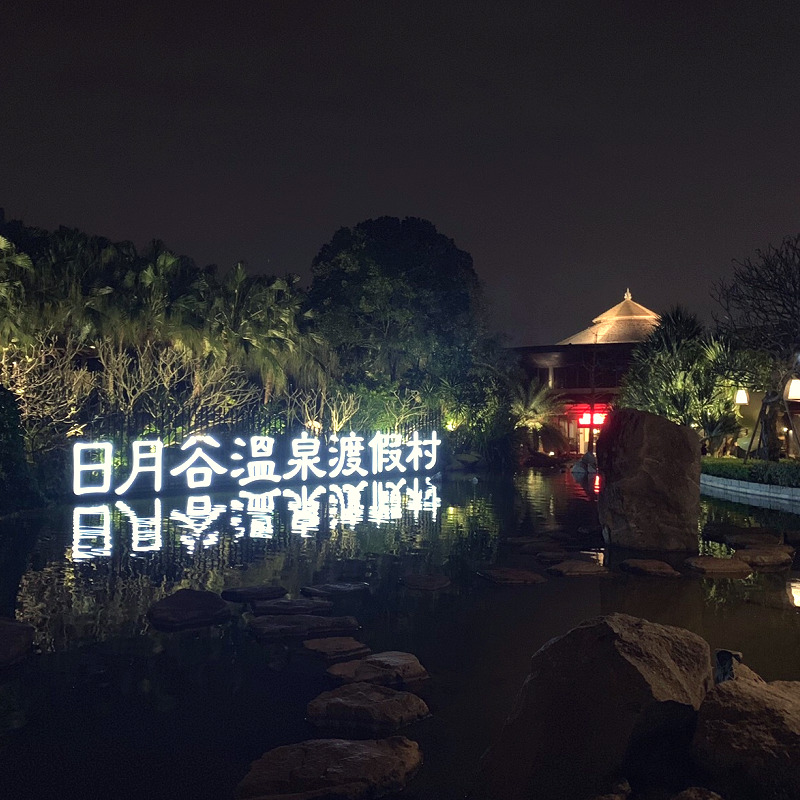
x=255 y=463
x=200 y=520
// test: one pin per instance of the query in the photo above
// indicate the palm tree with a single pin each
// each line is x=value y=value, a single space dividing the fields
x=534 y=409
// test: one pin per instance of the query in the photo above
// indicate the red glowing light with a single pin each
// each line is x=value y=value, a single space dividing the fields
x=584 y=420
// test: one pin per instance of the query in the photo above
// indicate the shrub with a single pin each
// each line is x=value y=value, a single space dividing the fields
x=774 y=473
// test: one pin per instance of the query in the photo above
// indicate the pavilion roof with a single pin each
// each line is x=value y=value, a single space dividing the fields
x=627 y=321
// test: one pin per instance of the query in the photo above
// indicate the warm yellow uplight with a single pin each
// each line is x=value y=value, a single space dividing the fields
x=742 y=398
x=793 y=389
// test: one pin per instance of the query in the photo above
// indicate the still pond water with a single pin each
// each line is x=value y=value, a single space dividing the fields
x=107 y=707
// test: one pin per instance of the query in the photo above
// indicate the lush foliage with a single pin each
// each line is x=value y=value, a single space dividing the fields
x=681 y=373
x=775 y=473
x=534 y=408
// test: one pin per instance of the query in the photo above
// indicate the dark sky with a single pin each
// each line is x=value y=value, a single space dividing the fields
x=573 y=148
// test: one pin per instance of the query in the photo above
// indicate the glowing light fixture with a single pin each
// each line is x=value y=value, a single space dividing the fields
x=584 y=421
x=793 y=389
x=742 y=398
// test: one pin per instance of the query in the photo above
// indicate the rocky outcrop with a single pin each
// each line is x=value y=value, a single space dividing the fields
x=364 y=708
x=593 y=696
x=16 y=640
x=650 y=498
x=188 y=608
x=391 y=668
x=748 y=739
x=339 y=769
x=301 y=626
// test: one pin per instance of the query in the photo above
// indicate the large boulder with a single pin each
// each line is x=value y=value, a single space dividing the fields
x=339 y=769
x=650 y=498
x=748 y=739
x=594 y=696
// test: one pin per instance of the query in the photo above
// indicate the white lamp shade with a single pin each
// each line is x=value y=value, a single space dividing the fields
x=793 y=389
x=742 y=398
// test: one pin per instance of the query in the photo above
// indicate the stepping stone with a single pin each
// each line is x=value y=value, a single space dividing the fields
x=301 y=626
x=364 y=708
x=649 y=566
x=713 y=567
x=751 y=539
x=300 y=605
x=336 y=648
x=332 y=768
x=426 y=583
x=551 y=557
x=765 y=560
x=577 y=569
x=333 y=589
x=511 y=576
x=249 y=594
x=391 y=668
x=16 y=640
x=188 y=608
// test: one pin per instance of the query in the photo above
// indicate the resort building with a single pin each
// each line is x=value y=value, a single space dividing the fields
x=587 y=367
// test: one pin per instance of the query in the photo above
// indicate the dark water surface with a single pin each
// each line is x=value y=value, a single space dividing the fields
x=109 y=708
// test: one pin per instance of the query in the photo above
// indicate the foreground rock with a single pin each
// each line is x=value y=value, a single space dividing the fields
x=714 y=567
x=250 y=594
x=391 y=668
x=365 y=709
x=301 y=605
x=594 y=696
x=748 y=739
x=334 y=649
x=511 y=576
x=301 y=626
x=332 y=768
x=577 y=569
x=188 y=608
x=16 y=640
x=648 y=502
x=649 y=566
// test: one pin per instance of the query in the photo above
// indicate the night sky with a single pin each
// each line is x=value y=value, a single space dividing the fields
x=573 y=148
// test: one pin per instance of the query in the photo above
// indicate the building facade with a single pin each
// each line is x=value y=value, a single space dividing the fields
x=587 y=368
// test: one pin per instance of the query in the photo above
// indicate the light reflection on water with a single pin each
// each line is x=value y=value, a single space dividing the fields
x=168 y=697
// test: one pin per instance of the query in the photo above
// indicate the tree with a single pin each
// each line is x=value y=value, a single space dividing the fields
x=534 y=408
x=679 y=372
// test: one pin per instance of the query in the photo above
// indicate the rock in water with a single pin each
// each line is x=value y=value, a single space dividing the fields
x=651 y=493
x=748 y=739
x=332 y=768
x=301 y=626
x=16 y=639
x=390 y=668
x=594 y=694
x=363 y=708
x=188 y=608
x=249 y=594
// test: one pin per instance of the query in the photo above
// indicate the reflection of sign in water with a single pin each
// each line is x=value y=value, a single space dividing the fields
x=200 y=520
x=253 y=460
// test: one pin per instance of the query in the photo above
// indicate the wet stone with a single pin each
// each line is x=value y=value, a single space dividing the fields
x=391 y=668
x=301 y=626
x=334 y=589
x=426 y=583
x=334 y=649
x=765 y=560
x=713 y=567
x=510 y=576
x=16 y=640
x=649 y=566
x=577 y=569
x=365 y=709
x=301 y=605
x=332 y=768
x=250 y=594
x=188 y=608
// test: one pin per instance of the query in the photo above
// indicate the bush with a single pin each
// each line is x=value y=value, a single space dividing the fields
x=774 y=473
